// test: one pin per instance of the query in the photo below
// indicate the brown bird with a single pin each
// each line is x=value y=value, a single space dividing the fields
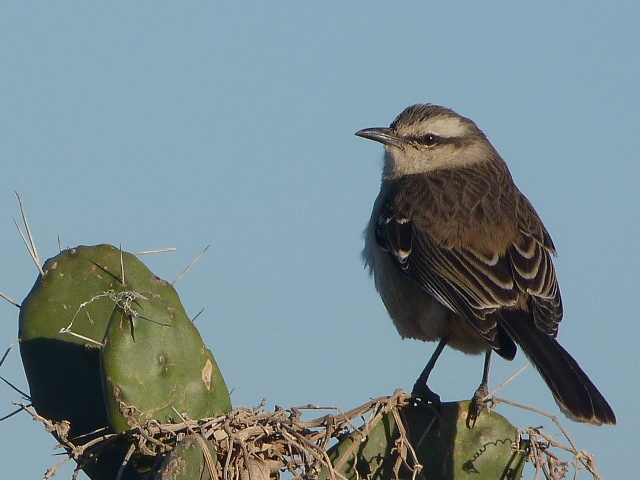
x=459 y=255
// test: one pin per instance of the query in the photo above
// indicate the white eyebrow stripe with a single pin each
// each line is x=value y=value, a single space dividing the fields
x=447 y=127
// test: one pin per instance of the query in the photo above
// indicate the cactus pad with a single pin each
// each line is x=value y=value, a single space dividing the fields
x=63 y=325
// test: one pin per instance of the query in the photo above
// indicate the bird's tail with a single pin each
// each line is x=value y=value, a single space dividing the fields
x=572 y=389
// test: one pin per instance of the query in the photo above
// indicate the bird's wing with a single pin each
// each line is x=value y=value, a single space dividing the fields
x=533 y=269
x=470 y=283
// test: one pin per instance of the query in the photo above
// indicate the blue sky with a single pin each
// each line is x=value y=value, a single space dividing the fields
x=153 y=125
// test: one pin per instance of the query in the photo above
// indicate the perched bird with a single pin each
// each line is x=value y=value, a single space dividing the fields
x=459 y=255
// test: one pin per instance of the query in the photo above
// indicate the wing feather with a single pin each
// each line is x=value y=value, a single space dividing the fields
x=473 y=282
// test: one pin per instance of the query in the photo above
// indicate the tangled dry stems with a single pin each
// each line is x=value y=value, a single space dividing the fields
x=246 y=438
x=545 y=452
x=252 y=444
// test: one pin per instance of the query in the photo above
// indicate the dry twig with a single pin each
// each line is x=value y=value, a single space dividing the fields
x=252 y=444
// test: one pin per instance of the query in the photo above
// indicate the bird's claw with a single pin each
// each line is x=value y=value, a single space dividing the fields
x=477 y=405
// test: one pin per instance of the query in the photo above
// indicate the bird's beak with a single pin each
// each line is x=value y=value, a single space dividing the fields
x=386 y=136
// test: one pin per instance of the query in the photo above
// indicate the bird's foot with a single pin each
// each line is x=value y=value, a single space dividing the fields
x=477 y=405
x=424 y=396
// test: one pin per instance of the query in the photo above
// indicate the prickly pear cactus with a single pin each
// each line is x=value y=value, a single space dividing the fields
x=63 y=370
x=155 y=364
x=62 y=326
x=193 y=458
x=445 y=447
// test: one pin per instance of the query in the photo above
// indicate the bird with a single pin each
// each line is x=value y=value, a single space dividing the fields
x=460 y=256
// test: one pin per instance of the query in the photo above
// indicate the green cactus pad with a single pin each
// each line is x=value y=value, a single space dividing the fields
x=62 y=324
x=189 y=460
x=446 y=448
x=63 y=370
x=156 y=366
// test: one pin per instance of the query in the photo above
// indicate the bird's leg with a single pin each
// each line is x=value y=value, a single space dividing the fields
x=478 y=400
x=421 y=389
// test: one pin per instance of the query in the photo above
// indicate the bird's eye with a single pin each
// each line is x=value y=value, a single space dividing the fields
x=429 y=139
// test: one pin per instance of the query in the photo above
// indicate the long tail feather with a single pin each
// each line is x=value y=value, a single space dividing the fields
x=572 y=389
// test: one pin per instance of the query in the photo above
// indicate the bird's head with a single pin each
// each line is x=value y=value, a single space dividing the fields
x=428 y=137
